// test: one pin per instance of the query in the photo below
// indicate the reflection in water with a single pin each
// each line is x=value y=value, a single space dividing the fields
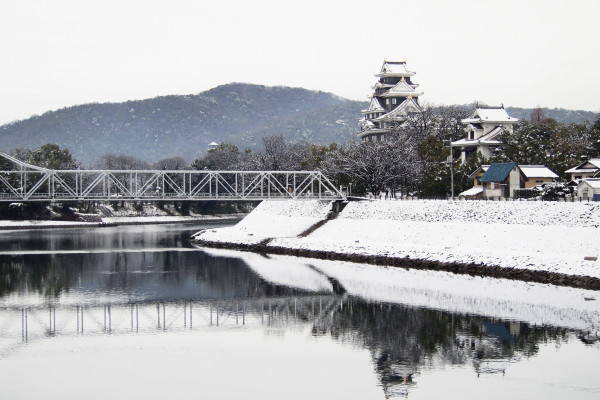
x=403 y=340
x=47 y=293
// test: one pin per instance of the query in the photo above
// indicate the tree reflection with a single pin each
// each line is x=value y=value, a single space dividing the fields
x=403 y=340
x=162 y=275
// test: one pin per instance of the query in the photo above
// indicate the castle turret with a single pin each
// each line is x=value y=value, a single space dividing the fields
x=484 y=129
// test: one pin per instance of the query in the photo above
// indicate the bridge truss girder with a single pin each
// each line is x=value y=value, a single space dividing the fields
x=39 y=184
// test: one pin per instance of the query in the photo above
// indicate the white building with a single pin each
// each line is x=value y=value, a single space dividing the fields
x=589 y=190
x=394 y=97
x=484 y=129
x=584 y=170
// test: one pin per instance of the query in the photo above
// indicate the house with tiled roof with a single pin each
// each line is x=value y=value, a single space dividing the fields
x=584 y=170
x=537 y=175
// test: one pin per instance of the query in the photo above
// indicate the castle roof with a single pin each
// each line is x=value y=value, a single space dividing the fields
x=394 y=68
x=491 y=138
x=374 y=106
x=401 y=89
x=381 y=85
x=490 y=114
x=407 y=106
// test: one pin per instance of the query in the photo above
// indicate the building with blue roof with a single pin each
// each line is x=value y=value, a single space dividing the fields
x=501 y=180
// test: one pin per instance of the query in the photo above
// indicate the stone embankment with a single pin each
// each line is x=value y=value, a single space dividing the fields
x=543 y=242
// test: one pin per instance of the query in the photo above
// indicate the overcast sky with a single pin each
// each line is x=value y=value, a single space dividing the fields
x=524 y=53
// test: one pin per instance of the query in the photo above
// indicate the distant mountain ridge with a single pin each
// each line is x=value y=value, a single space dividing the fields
x=560 y=114
x=184 y=125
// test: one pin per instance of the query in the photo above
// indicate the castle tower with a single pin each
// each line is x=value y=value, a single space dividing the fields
x=394 y=97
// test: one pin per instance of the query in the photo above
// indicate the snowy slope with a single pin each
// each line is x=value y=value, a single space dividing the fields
x=270 y=219
x=545 y=236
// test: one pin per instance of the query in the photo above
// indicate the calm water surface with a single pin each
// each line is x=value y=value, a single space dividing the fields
x=137 y=312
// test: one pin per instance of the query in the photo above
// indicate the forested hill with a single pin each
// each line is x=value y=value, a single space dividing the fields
x=560 y=114
x=184 y=125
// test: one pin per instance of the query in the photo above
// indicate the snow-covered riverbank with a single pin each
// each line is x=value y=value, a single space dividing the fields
x=544 y=237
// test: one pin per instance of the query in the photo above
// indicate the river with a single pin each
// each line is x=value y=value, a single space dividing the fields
x=138 y=312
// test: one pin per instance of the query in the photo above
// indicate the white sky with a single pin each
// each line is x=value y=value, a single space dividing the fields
x=523 y=53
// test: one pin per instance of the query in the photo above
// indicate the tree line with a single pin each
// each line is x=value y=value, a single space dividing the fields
x=411 y=159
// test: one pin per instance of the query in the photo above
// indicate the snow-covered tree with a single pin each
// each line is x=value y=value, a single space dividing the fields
x=594 y=143
x=378 y=165
x=224 y=157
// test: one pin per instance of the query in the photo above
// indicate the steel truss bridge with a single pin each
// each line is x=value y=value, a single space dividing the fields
x=26 y=182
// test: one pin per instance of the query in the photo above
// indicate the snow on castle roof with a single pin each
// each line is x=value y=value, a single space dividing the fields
x=489 y=115
x=374 y=106
x=397 y=68
x=407 y=106
x=490 y=138
x=401 y=89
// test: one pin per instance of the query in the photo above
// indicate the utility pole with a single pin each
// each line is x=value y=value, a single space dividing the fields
x=451 y=168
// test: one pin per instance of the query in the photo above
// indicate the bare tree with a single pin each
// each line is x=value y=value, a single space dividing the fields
x=537 y=115
x=170 y=164
x=447 y=122
x=419 y=124
x=122 y=162
x=281 y=155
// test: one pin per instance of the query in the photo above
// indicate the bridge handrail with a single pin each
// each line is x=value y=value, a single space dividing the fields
x=22 y=163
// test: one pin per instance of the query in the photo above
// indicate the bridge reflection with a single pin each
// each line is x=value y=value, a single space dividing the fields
x=38 y=322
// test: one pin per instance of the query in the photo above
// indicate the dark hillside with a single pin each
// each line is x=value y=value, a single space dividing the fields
x=184 y=125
